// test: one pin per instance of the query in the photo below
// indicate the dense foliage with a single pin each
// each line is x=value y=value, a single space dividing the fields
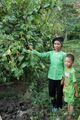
x=23 y=21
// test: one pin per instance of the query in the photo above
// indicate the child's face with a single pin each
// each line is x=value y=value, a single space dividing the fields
x=68 y=62
x=57 y=45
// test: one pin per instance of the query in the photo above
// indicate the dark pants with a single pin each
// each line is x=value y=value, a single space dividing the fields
x=56 y=92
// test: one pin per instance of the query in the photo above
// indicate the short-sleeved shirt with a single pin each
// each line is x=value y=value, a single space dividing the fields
x=56 y=69
x=69 y=81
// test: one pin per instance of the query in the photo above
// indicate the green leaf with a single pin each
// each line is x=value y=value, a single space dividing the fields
x=20 y=58
x=24 y=65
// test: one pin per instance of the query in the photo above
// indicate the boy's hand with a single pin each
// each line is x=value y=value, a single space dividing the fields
x=62 y=82
x=76 y=89
x=76 y=94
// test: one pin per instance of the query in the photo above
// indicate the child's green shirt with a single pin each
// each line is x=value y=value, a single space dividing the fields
x=56 y=69
x=68 y=89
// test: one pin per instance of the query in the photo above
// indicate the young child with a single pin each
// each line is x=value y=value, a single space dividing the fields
x=56 y=71
x=70 y=88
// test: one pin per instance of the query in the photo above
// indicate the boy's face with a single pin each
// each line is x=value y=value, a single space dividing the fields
x=57 y=45
x=68 y=62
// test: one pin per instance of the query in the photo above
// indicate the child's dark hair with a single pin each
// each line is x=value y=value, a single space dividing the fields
x=70 y=56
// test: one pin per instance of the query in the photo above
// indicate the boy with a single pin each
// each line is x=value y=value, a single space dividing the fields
x=70 y=84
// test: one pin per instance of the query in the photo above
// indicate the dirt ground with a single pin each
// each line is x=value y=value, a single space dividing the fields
x=14 y=108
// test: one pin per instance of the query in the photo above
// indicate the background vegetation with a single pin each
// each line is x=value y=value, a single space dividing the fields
x=36 y=22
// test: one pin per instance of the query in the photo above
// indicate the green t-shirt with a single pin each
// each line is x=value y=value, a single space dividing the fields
x=69 y=81
x=56 y=69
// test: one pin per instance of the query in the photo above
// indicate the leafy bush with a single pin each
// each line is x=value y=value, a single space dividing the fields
x=30 y=21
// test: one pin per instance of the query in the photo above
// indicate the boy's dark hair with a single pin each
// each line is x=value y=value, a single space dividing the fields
x=70 y=56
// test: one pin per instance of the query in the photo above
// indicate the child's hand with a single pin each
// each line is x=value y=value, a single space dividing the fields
x=76 y=94
x=62 y=82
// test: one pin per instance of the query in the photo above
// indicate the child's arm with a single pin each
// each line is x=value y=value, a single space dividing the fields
x=75 y=84
x=76 y=89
